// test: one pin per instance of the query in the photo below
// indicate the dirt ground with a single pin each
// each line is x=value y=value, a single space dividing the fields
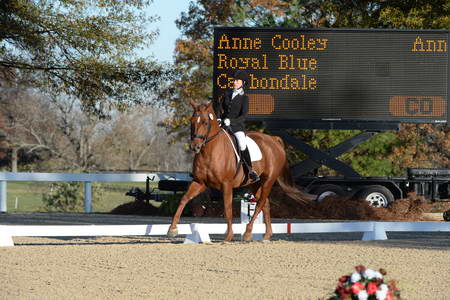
x=158 y=268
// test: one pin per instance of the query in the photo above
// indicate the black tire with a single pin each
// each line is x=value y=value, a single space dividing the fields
x=327 y=189
x=446 y=215
x=376 y=195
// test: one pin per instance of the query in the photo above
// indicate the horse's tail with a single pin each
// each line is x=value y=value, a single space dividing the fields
x=287 y=184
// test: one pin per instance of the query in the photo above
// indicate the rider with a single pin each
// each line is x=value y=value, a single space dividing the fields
x=232 y=111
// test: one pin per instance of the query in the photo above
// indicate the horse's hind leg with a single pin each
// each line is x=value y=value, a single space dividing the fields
x=194 y=189
x=265 y=191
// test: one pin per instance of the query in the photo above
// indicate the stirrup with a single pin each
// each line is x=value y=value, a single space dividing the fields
x=253 y=176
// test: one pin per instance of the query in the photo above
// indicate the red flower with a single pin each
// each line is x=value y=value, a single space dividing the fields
x=345 y=290
x=392 y=285
x=343 y=293
x=357 y=287
x=371 y=288
x=389 y=296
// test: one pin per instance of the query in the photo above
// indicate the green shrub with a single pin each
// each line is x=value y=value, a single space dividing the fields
x=170 y=204
x=69 y=196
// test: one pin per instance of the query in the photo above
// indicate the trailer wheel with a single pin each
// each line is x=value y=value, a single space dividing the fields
x=325 y=190
x=446 y=215
x=377 y=196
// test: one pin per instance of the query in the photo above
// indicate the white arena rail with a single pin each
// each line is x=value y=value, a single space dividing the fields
x=199 y=232
x=87 y=178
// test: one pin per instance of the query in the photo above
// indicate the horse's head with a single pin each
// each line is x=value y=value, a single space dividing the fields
x=204 y=125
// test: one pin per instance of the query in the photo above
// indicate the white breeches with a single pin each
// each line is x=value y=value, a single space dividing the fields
x=240 y=135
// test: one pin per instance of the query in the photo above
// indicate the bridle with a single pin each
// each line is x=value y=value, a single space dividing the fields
x=205 y=138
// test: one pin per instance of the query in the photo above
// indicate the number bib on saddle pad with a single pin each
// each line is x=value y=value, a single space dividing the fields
x=253 y=148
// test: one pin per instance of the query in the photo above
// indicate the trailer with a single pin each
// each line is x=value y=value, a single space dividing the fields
x=431 y=183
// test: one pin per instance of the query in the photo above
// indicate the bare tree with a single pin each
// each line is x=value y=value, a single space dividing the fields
x=60 y=135
x=29 y=123
x=134 y=141
x=57 y=132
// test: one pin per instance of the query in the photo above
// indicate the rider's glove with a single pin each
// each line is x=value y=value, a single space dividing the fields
x=226 y=122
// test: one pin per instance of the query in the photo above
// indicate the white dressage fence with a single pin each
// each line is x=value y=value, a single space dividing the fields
x=199 y=232
x=196 y=232
x=87 y=178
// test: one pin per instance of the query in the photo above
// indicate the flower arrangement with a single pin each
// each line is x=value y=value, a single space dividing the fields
x=366 y=284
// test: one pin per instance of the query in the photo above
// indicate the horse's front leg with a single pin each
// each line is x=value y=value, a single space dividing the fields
x=261 y=204
x=227 y=190
x=267 y=221
x=194 y=189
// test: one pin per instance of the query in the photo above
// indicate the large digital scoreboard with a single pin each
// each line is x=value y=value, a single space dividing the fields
x=337 y=75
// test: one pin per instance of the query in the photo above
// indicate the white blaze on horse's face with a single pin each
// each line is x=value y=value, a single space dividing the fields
x=199 y=131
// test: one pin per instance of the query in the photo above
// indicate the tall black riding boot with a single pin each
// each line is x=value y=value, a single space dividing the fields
x=248 y=162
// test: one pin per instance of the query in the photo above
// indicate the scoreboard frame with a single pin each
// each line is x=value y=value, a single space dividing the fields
x=333 y=122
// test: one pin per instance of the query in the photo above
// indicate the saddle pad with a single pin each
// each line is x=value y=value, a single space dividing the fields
x=255 y=152
x=253 y=148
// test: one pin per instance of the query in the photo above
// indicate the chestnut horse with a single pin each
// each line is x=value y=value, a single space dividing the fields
x=215 y=166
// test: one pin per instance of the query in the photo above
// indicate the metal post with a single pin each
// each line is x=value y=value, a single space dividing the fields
x=3 y=207
x=87 y=196
x=247 y=211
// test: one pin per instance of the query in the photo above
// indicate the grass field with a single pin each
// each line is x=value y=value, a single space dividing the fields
x=27 y=195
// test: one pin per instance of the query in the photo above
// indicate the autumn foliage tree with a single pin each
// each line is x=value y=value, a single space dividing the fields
x=193 y=60
x=419 y=145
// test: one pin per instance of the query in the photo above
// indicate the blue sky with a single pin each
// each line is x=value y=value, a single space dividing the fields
x=168 y=11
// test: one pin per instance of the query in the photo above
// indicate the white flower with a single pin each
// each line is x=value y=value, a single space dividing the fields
x=382 y=292
x=355 y=277
x=369 y=274
x=362 y=295
x=384 y=287
x=381 y=295
x=378 y=275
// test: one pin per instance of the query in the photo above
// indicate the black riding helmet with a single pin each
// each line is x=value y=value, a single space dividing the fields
x=242 y=75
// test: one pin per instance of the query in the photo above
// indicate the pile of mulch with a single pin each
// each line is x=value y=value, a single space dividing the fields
x=214 y=209
x=411 y=208
x=136 y=208
x=210 y=209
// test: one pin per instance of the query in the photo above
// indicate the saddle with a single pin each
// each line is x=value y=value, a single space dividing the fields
x=254 y=151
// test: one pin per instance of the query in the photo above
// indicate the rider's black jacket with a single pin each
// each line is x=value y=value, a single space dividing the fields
x=235 y=109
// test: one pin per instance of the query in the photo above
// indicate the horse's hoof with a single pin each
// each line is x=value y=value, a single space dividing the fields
x=265 y=241
x=227 y=243
x=247 y=237
x=172 y=232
